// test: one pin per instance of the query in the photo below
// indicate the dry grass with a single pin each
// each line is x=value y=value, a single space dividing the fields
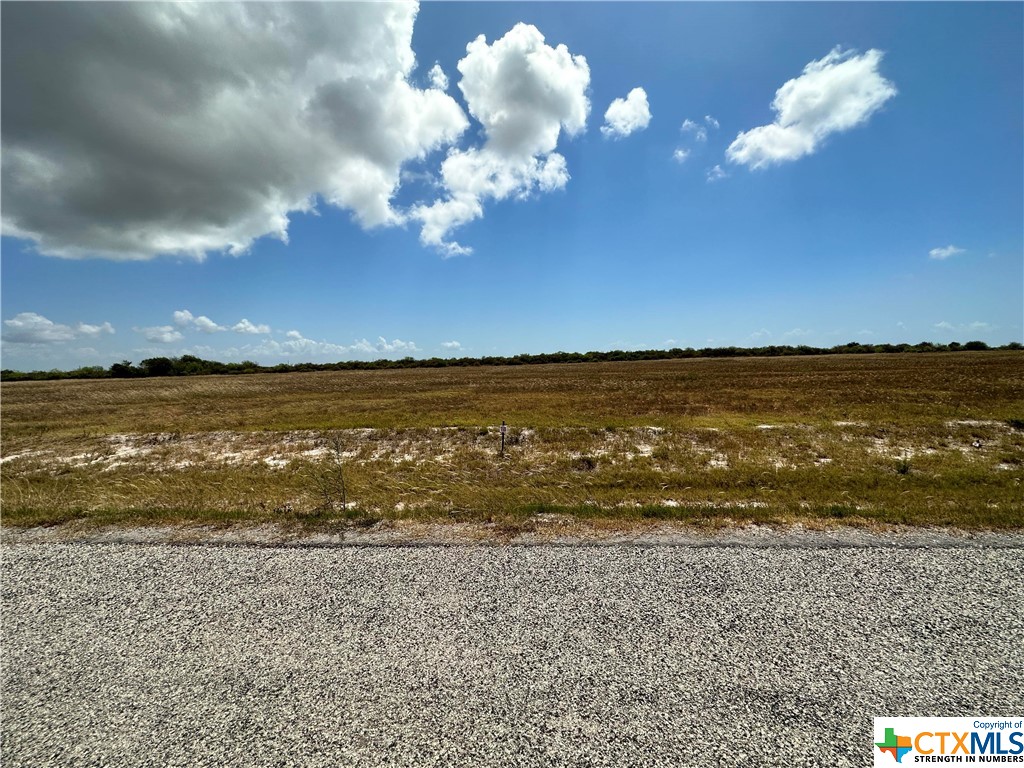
x=920 y=439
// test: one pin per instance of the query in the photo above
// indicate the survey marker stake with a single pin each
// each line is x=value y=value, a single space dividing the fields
x=504 y=429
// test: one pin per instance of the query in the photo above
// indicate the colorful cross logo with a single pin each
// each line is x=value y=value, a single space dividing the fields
x=897 y=746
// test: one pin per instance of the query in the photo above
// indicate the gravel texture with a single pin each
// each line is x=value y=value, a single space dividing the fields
x=616 y=655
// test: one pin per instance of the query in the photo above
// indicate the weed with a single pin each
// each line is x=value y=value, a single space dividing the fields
x=328 y=477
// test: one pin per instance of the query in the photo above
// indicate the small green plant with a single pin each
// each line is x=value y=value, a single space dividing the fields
x=840 y=511
x=328 y=477
x=903 y=468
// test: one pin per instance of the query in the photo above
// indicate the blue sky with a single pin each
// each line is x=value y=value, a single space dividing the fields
x=147 y=186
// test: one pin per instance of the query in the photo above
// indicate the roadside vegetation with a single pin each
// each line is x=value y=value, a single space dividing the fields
x=190 y=365
x=920 y=439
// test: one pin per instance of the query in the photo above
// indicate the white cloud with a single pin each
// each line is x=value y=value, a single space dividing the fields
x=185 y=319
x=395 y=345
x=975 y=326
x=716 y=174
x=161 y=334
x=452 y=345
x=834 y=94
x=945 y=253
x=93 y=331
x=33 y=328
x=206 y=325
x=796 y=333
x=200 y=127
x=524 y=93
x=700 y=133
x=700 y=136
x=625 y=116
x=762 y=333
x=30 y=328
x=297 y=345
x=244 y=326
x=438 y=79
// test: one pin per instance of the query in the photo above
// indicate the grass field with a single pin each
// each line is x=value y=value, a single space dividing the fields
x=929 y=439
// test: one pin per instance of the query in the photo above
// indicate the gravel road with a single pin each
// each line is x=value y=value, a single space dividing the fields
x=157 y=655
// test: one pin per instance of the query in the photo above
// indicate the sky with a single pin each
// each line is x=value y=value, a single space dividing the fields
x=345 y=181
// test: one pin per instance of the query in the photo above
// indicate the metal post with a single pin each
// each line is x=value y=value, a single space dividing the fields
x=503 y=430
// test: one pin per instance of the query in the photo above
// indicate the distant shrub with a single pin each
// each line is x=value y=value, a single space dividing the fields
x=190 y=365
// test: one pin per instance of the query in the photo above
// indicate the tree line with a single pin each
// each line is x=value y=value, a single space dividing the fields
x=189 y=365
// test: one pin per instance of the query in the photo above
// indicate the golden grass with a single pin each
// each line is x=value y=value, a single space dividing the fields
x=915 y=438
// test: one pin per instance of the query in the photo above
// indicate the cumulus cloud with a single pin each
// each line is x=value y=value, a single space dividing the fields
x=834 y=94
x=244 y=326
x=295 y=344
x=384 y=346
x=625 y=116
x=206 y=325
x=93 y=331
x=137 y=129
x=451 y=345
x=977 y=325
x=160 y=334
x=716 y=174
x=700 y=136
x=795 y=333
x=438 y=79
x=33 y=328
x=185 y=319
x=524 y=93
x=700 y=133
x=945 y=253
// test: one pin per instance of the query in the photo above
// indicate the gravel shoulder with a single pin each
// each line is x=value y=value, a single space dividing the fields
x=552 y=530
x=618 y=655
